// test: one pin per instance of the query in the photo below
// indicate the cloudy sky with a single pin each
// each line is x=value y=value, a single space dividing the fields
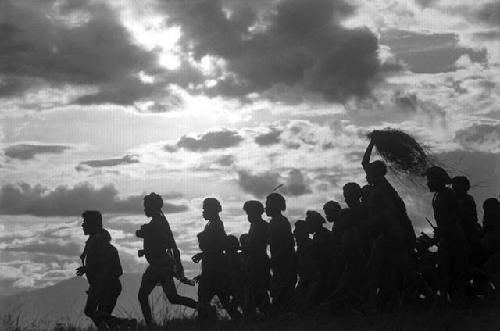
x=104 y=101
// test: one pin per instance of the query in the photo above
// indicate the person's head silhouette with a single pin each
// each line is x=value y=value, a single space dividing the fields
x=352 y=194
x=460 y=185
x=301 y=231
x=153 y=204
x=275 y=204
x=491 y=208
x=211 y=209
x=314 y=221
x=92 y=222
x=332 y=210
x=437 y=178
x=254 y=210
x=375 y=172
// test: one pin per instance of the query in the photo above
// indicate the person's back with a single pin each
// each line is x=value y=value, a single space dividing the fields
x=257 y=241
x=445 y=207
x=211 y=241
x=158 y=238
x=280 y=239
x=383 y=211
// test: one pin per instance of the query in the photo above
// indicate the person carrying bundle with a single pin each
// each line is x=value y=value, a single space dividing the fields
x=396 y=236
x=163 y=258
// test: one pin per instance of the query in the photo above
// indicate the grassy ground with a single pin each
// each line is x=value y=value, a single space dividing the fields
x=482 y=317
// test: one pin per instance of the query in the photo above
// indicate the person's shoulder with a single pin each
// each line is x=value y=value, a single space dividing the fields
x=96 y=240
x=446 y=194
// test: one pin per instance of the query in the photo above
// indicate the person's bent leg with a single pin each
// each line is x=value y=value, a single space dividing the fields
x=171 y=293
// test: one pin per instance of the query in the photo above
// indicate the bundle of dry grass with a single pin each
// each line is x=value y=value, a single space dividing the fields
x=401 y=151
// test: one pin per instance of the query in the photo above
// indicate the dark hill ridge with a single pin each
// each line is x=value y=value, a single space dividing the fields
x=64 y=302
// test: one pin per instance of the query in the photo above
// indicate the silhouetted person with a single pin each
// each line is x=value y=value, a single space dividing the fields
x=332 y=212
x=452 y=250
x=259 y=266
x=214 y=274
x=236 y=272
x=375 y=176
x=283 y=260
x=490 y=238
x=163 y=258
x=388 y=219
x=307 y=270
x=467 y=211
x=321 y=246
x=352 y=284
x=101 y=265
x=467 y=217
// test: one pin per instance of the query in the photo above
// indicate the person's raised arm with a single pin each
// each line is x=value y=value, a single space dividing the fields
x=366 y=157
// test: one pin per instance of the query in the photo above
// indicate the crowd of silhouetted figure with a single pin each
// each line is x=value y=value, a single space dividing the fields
x=370 y=260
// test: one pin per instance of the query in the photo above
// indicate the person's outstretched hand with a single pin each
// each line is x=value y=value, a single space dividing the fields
x=196 y=258
x=80 y=271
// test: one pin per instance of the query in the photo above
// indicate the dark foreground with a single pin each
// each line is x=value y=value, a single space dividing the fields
x=483 y=316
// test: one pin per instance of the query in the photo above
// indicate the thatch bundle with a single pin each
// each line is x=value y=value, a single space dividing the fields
x=401 y=151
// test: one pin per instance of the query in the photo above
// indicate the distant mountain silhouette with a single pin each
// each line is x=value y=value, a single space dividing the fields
x=64 y=302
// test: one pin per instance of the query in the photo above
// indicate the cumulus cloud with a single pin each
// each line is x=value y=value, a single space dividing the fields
x=291 y=43
x=60 y=43
x=28 y=151
x=210 y=140
x=24 y=199
x=270 y=138
x=262 y=184
x=127 y=159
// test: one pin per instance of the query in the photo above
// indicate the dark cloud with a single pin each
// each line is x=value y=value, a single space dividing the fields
x=426 y=3
x=488 y=35
x=262 y=184
x=296 y=184
x=270 y=138
x=258 y=185
x=41 y=44
x=406 y=101
x=28 y=152
x=490 y=13
x=428 y=53
x=225 y=160
x=290 y=43
x=127 y=159
x=24 y=199
x=210 y=140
